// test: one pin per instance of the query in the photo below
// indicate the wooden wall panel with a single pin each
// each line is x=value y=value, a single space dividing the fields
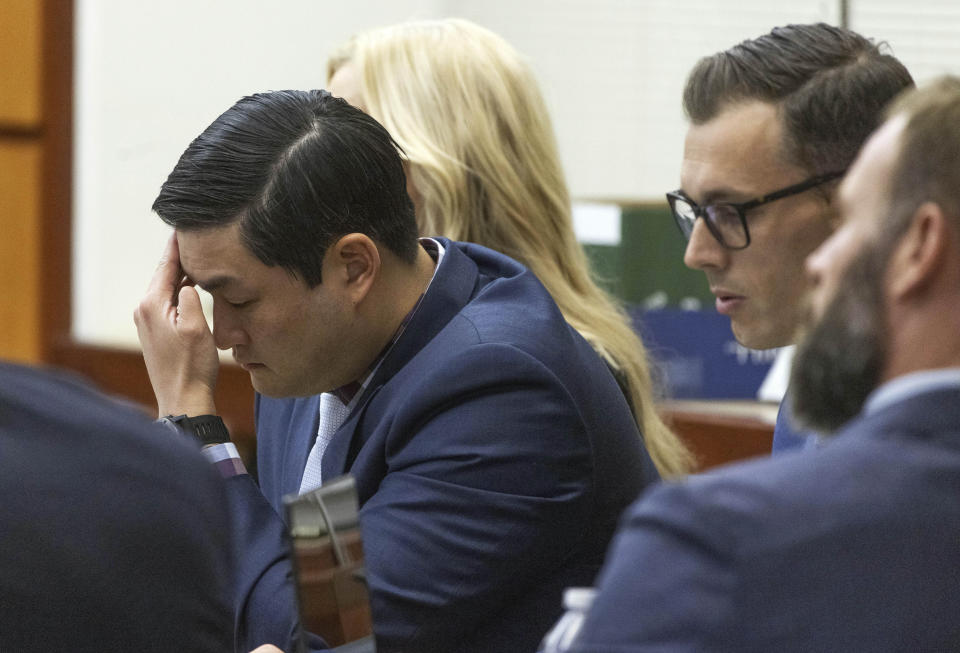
x=21 y=156
x=20 y=63
x=20 y=328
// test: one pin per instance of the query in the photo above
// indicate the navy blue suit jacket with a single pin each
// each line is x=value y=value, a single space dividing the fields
x=785 y=436
x=854 y=546
x=493 y=453
x=113 y=530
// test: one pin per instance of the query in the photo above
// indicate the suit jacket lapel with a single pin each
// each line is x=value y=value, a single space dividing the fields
x=452 y=287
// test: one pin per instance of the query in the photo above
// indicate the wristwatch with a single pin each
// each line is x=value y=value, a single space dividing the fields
x=208 y=429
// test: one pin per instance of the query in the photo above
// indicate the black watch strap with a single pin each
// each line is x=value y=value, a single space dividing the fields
x=208 y=429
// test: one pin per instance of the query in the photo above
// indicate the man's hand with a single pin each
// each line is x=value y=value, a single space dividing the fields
x=178 y=347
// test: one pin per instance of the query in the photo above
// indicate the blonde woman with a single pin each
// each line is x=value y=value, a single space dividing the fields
x=482 y=166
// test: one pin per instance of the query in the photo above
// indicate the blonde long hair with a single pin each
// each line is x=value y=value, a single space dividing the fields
x=483 y=163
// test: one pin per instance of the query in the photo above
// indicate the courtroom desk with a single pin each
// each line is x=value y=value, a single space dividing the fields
x=722 y=431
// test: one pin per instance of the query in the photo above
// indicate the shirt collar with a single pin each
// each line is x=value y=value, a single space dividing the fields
x=910 y=385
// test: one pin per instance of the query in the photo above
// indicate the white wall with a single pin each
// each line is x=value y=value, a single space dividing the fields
x=613 y=72
x=152 y=75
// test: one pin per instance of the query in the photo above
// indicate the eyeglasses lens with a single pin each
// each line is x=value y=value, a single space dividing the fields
x=726 y=224
x=685 y=216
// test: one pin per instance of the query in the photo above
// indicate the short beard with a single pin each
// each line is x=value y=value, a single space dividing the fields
x=839 y=362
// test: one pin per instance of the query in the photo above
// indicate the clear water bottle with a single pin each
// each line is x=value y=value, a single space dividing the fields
x=576 y=602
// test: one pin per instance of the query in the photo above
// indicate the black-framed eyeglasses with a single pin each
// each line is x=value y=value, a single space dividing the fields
x=727 y=221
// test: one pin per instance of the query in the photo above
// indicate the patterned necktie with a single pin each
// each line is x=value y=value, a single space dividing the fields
x=333 y=413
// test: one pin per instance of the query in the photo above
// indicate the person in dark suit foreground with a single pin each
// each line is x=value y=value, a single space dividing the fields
x=854 y=546
x=113 y=535
x=492 y=448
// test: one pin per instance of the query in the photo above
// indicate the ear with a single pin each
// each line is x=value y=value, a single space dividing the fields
x=352 y=266
x=919 y=257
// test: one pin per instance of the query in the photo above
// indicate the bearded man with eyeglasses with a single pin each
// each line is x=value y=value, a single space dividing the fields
x=774 y=123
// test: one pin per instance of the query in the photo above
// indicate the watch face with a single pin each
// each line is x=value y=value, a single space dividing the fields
x=208 y=429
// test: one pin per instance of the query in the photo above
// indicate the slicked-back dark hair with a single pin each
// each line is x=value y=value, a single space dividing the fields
x=831 y=86
x=297 y=170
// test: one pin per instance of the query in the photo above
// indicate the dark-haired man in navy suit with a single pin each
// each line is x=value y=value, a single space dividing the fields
x=853 y=546
x=492 y=448
x=113 y=533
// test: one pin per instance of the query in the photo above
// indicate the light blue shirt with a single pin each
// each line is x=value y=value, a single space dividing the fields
x=910 y=385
